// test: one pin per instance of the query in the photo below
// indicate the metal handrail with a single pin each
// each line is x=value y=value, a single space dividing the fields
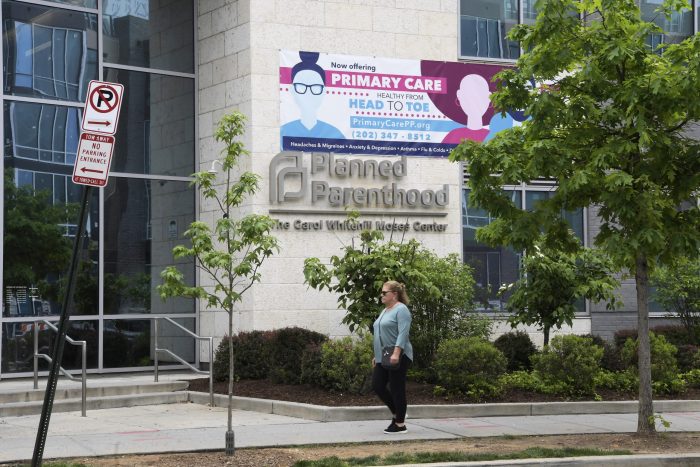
x=187 y=364
x=82 y=379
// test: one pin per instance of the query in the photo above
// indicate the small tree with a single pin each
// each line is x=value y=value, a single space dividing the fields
x=553 y=281
x=441 y=289
x=678 y=290
x=450 y=314
x=232 y=253
x=358 y=275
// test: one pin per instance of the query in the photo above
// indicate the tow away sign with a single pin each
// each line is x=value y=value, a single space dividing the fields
x=94 y=157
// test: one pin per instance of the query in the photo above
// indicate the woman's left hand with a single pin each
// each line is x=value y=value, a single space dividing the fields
x=394 y=359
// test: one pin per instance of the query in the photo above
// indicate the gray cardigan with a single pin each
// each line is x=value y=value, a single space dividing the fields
x=392 y=328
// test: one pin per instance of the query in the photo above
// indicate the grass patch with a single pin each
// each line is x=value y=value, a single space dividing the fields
x=428 y=457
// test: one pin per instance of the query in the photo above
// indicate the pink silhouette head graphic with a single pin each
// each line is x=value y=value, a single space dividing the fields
x=473 y=97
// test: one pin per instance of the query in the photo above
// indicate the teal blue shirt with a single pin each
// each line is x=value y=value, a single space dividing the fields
x=392 y=327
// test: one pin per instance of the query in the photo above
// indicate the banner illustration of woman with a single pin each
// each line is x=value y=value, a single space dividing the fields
x=308 y=86
x=473 y=97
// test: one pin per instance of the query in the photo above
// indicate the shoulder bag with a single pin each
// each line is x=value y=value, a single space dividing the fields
x=387 y=352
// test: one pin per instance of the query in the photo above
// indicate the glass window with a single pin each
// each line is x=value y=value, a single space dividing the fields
x=43 y=182
x=149 y=34
x=484 y=24
x=82 y=330
x=41 y=131
x=493 y=267
x=82 y=3
x=574 y=218
x=156 y=129
x=47 y=120
x=22 y=127
x=40 y=224
x=59 y=189
x=25 y=178
x=49 y=52
x=18 y=345
x=529 y=11
x=483 y=28
x=127 y=343
x=130 y=343
x=139 y=240
x=677 y=28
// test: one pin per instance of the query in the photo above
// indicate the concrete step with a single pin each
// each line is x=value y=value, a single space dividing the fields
x=29 y=395
x=17 y=409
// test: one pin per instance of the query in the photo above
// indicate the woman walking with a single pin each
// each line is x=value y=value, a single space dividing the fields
x=391 y=337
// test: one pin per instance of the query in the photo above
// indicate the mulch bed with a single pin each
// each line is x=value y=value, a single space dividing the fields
x=416 y=394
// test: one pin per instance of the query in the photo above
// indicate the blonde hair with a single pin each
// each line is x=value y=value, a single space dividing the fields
x=400 y=290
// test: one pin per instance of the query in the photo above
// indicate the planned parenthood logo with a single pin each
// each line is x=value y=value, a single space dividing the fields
x=278 y=176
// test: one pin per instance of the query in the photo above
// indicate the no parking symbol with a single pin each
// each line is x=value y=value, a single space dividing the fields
x=102 y=107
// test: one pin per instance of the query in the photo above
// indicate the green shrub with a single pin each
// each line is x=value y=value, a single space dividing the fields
x=626 y=381
x=463 y=325
x=692 y=378
x=469 y=365
x=675 y=334
x=571 y=360
x=221 y=360
x=311 y=365
x=528 y=381
x=251 y=356
x=674 y=385
x=422 y=375
x=286 y=349
x=688 y=357
x=664 y=368
x=346 y=364
x=471 y=325
x=622 y=335
x=611 y=360
x=517 y=348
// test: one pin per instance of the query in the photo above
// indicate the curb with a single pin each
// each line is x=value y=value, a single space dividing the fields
x=322 y=413
x=640 y=460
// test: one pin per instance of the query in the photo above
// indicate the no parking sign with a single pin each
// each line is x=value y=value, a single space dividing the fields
x=100 y=118
x=102 y=107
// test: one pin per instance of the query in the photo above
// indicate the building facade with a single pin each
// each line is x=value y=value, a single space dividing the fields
x=184 y=65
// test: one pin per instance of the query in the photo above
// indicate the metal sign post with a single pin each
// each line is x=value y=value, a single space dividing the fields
x=59 y=343
x=99 y=123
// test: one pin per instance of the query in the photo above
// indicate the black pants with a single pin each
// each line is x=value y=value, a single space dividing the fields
x=395 y=396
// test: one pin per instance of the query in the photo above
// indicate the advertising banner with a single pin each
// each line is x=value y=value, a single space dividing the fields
x=368 y=105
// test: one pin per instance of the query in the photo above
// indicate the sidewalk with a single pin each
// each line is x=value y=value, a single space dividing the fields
x=192 y=427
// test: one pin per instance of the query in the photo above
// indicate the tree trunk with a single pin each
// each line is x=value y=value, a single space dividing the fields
x=230 y=370
x=545 y=330
x=645 y=420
